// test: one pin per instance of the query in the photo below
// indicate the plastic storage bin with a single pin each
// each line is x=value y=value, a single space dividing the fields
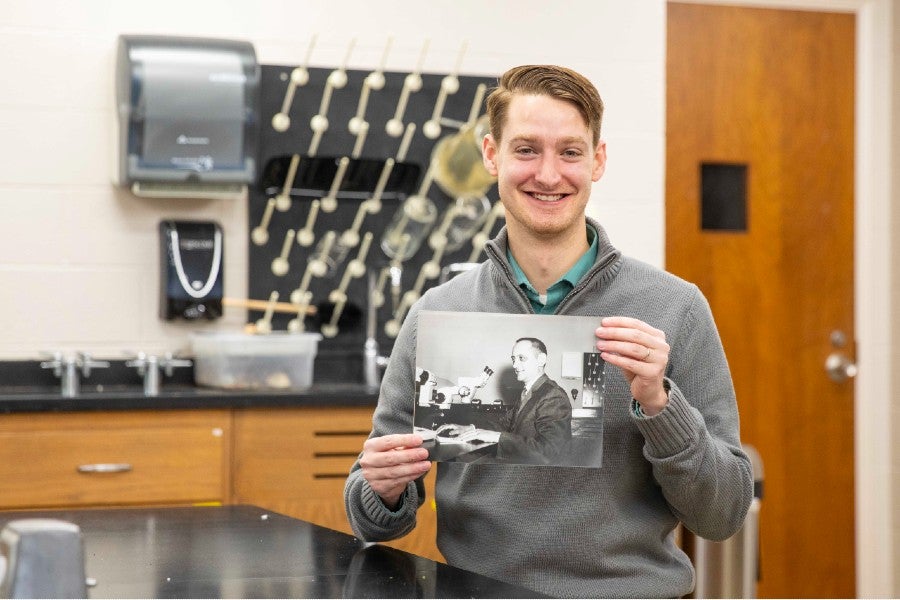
x=240 y=361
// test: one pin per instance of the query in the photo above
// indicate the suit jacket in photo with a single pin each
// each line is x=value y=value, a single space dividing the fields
x=539 y=430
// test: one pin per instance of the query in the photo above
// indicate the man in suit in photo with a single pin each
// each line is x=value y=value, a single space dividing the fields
x=538 y=429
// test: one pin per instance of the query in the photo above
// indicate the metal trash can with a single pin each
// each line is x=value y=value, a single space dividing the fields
x=730 y=568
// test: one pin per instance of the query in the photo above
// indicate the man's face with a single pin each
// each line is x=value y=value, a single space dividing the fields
x=527 y=362
x=545 y=166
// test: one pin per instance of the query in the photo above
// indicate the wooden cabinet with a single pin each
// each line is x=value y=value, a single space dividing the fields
x=290 y=460
x=295 y=461
x=114 y=458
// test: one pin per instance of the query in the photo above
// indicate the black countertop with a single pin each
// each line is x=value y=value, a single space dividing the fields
x=249 y=552
x=26 y=387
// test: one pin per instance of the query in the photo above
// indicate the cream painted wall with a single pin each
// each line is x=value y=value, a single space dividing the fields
x=79 y=257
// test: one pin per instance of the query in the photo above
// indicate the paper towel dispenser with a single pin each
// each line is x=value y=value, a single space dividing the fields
x=188 y=113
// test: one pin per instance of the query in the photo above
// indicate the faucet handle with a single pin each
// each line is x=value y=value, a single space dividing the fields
x=87 y=363
x=139 y=361
x=169 y=362
x=149 y=367
x=55 y=362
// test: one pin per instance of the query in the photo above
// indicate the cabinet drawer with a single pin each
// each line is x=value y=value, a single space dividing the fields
x=295 y=461
x=114 y=458
x=300 y=453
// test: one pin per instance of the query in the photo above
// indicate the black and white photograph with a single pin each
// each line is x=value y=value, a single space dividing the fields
x=503 y=388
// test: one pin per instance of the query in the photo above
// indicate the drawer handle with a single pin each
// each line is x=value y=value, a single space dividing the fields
x=105 y=468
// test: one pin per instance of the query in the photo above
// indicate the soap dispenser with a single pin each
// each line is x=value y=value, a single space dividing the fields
x=191 y=257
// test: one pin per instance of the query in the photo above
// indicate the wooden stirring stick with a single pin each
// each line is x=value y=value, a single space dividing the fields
x=284 y=307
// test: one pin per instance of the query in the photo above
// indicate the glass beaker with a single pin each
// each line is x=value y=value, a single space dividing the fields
x=456 y=160
x=408 y=227
x=468 y=216
x=328 y=256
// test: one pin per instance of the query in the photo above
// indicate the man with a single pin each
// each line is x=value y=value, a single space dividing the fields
x=671 y=444
x=539 y=428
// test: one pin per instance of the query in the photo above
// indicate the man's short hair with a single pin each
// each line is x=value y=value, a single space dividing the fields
x=535 y=343
x=545 y=80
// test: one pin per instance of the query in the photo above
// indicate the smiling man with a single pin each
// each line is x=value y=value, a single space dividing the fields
x=672 y=451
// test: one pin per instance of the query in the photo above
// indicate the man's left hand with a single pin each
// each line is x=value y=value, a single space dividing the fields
x=641 y=353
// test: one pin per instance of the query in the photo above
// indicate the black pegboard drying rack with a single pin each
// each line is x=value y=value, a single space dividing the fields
x=314 y=176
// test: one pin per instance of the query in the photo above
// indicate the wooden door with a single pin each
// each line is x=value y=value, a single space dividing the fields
x=763 y=99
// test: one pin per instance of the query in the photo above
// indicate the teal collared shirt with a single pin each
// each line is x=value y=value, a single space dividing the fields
x=546 y=305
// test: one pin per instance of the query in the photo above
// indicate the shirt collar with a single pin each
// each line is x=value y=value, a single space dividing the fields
x=565 y=284
x=529 y=386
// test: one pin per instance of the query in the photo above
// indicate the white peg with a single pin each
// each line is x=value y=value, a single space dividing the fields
x=350 y=237
x=298 y=78
x=301 y=296
x=378 y=292
x=319 y=123
x=336 y=80
x=392 y=327
x=305 y=237
x=373 y=205
x=281 y=122
x=411 y=84
x=283 y=200
x=427 y=179
x=405 y=142
x=315 y=141
x=338 y=296
x=438 y=238
x=475 y=109
x=373 y=81
x=449 y=86
x=302 y=299
x=264 y=325
x=260 y=233
x=360 y=139
x=318 y=265
x=329 y=202
x=280 y=265
x=356 y=122
x=430 y=270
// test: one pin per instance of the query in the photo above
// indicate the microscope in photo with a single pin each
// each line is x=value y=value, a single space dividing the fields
x=431 y=392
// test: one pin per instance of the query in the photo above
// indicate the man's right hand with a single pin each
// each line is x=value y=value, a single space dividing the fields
x=390 y=462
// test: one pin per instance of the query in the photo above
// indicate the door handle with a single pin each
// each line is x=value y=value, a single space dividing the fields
x=839 y=367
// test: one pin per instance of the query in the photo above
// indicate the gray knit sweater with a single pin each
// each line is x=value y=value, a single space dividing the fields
x=583 y=532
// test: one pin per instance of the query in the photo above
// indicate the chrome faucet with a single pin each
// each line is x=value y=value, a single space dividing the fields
x=373 y=362
x=396 y=273
x=67 y=367
x=149 y=367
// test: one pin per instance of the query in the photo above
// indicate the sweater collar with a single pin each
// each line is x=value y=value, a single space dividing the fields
x=606 y=265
